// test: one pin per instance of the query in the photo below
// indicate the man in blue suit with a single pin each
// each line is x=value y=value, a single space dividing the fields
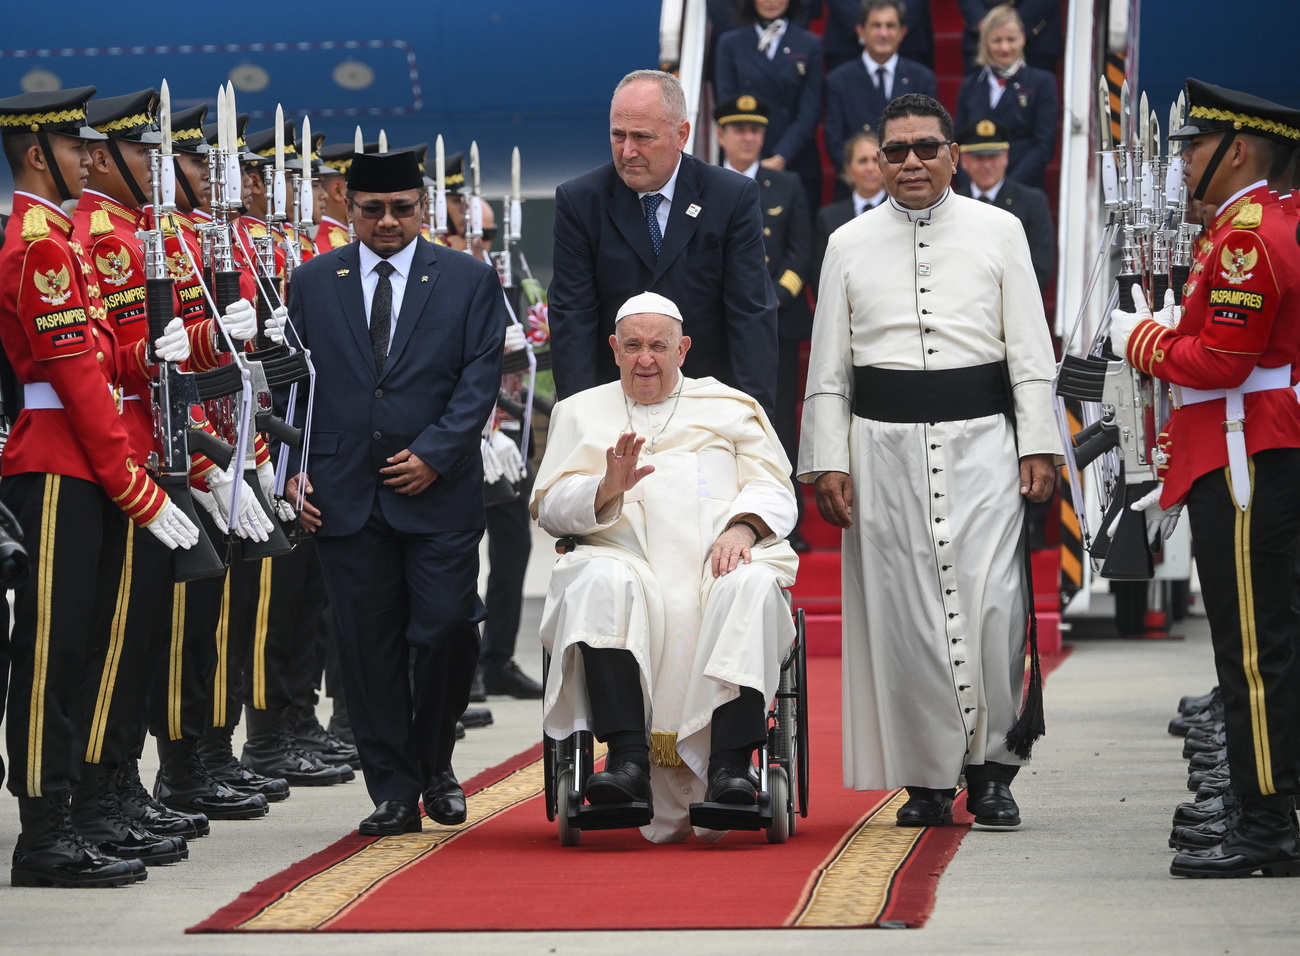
x=658 y=220
x=857 y=92
x=843 y=44
x=407 y=342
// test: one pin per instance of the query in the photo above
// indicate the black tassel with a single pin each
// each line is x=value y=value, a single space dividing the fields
x=1031 y=724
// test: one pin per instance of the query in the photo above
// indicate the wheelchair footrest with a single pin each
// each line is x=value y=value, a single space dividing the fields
x=731 y=816
x=607 y=816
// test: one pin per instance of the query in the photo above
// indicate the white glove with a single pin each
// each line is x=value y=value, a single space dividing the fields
x=1170 y=314
x=174 y=344
x=209 y=503
x=1160 y=521
x=275 y=328
x=1123 y=323
x=266 y=478
x=491 y=464
x=240 y=320
x=251 y=521
x=173 y=529
x=507 y=452
x=515 y=340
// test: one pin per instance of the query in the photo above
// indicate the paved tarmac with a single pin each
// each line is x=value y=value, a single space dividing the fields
x=1086 y=873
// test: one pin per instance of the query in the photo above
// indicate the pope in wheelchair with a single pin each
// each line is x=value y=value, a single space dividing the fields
x=666 y=625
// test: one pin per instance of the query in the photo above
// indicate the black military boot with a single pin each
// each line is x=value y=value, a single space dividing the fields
x=340 y=724
x=140 y=807
x=272 y=751
x=1261 y=837
x=219 y=757
x=184 y=783
x=312 y=738
x=98 y=815
x=1194 y=814
x=50 y=851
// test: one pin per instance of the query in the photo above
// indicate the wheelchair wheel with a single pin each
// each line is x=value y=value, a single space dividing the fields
x=569 y=836
x=801 y=715
x=778 y=789
x=548 y=775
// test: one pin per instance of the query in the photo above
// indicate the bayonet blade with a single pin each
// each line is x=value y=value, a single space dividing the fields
x=383 y=141
x=1175 y=123
x=358 y=142
x=1103 y=116
x=473 y=166
x=279 y=138
x=165 y=119
x=1125 y=118
x=1143 y=125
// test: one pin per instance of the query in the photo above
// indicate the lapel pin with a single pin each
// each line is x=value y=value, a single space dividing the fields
x=342 y=272
x=693 y=210
x=424 y=278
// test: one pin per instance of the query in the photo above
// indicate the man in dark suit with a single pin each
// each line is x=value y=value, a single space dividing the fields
x=787 y=239
x=406 y=338
x=841 y=39
x=984 y=152
x=659 y=220
x=862 y=172
x=858 y=91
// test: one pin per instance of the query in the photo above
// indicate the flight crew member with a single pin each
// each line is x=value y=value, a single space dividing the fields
x=862 y=173
x=70 y=479
x=787 y=240
x=1234 y=456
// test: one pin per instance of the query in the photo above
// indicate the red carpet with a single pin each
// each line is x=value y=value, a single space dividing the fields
x=847 y=865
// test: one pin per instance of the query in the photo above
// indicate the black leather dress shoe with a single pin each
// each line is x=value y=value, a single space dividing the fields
x=926 y=808
x=391 y=818
x=509 y=680
x=798 y=542
x=726 y=787
x=992 y=804
x=444 y=800
x=477 y=692
x=624 y=782
x=476 y=717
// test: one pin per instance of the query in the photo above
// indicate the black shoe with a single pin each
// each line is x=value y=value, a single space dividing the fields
x=143 y=810
x=391 y=818
x=184 y=783
x=312 y=738
x=992 y=804
x=272 y=751
x=1191 y=705
x=477 y=690
x=624 y=782
x=444 y=800
x=1179 y=726
x=926 y=808
x=340 y=724
x=1204 y=835
x=1192 y=814
x=798 y=542
x=460 y=730
x=726 y=787
x=98 y=816
x=1216 y=778
x=50 y=851
x=219 y=758
x=476 y=717
x=509 y=680
x=1203 y=743
x=1262 y=838
x=1208 y=760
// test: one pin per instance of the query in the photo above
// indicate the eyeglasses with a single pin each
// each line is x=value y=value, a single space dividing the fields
x=398 y=210
x=925 y=151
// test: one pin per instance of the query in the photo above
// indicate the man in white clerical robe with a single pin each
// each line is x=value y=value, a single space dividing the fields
x=666 y=625
x=928 y=420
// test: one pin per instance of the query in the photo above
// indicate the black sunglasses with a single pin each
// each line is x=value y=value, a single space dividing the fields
x=925 y=151
x=398 y=210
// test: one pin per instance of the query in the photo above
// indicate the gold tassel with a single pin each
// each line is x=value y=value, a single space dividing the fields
x=663 y=749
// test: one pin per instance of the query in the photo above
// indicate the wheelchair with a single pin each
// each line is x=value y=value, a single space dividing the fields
x=780 y=776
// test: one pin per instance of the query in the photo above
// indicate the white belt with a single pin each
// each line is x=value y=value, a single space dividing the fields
x=1234 y=424
x=38 y=395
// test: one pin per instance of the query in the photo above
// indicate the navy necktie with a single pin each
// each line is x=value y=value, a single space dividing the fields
x=651 y=205
x=880 y=79
x=381 y=315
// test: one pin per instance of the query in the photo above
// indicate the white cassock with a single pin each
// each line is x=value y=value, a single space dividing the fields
x=640 y=578
x=935 y=600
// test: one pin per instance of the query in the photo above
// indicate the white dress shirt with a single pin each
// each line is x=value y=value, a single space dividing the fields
x=890 y=66
x=667 y=192
x=992 y=194
x=862 y=203
x=401 y=263
x=752 y=172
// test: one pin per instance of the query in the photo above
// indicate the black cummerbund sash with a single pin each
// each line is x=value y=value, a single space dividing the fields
x=941 y=395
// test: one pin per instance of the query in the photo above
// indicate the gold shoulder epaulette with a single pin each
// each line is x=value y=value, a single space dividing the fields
x=35 y=225
x=1249 y=216
x=100 y=224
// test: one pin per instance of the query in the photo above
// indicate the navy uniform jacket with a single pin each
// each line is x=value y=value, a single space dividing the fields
x=711 y=265
x=852 y=100
x=790 y=85
x=829 y=218
x=787 y=237
x=1044 y=36
x=1029 y=205
x=843 y=17
x=1026 y=114
x=437 y=389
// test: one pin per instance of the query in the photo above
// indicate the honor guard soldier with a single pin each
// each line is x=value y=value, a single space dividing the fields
x=458 y=208
x=71 y=479
x=787 y=239
x=1234 y=456
x=332 y=197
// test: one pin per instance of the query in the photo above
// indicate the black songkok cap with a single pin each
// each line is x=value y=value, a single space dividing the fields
x=385 y=172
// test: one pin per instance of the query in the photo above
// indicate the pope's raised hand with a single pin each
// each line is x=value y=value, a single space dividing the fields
x=621 y=470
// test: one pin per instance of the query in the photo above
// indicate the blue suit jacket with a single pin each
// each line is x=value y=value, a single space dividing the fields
x=852 y=100
x=711 y=264
x=843 y=16
x=437 y=389
x=790 y=85
x=1025 y=114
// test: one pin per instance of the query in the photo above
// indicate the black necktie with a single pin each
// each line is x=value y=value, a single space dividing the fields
x=381 y=315
x=985 y=198
x=880 y=79
x=865 y=207
x=650 y=204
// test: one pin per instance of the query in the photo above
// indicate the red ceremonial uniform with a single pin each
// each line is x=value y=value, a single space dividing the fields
x=55 y=329
x=332 y=234
x=1241 y=310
